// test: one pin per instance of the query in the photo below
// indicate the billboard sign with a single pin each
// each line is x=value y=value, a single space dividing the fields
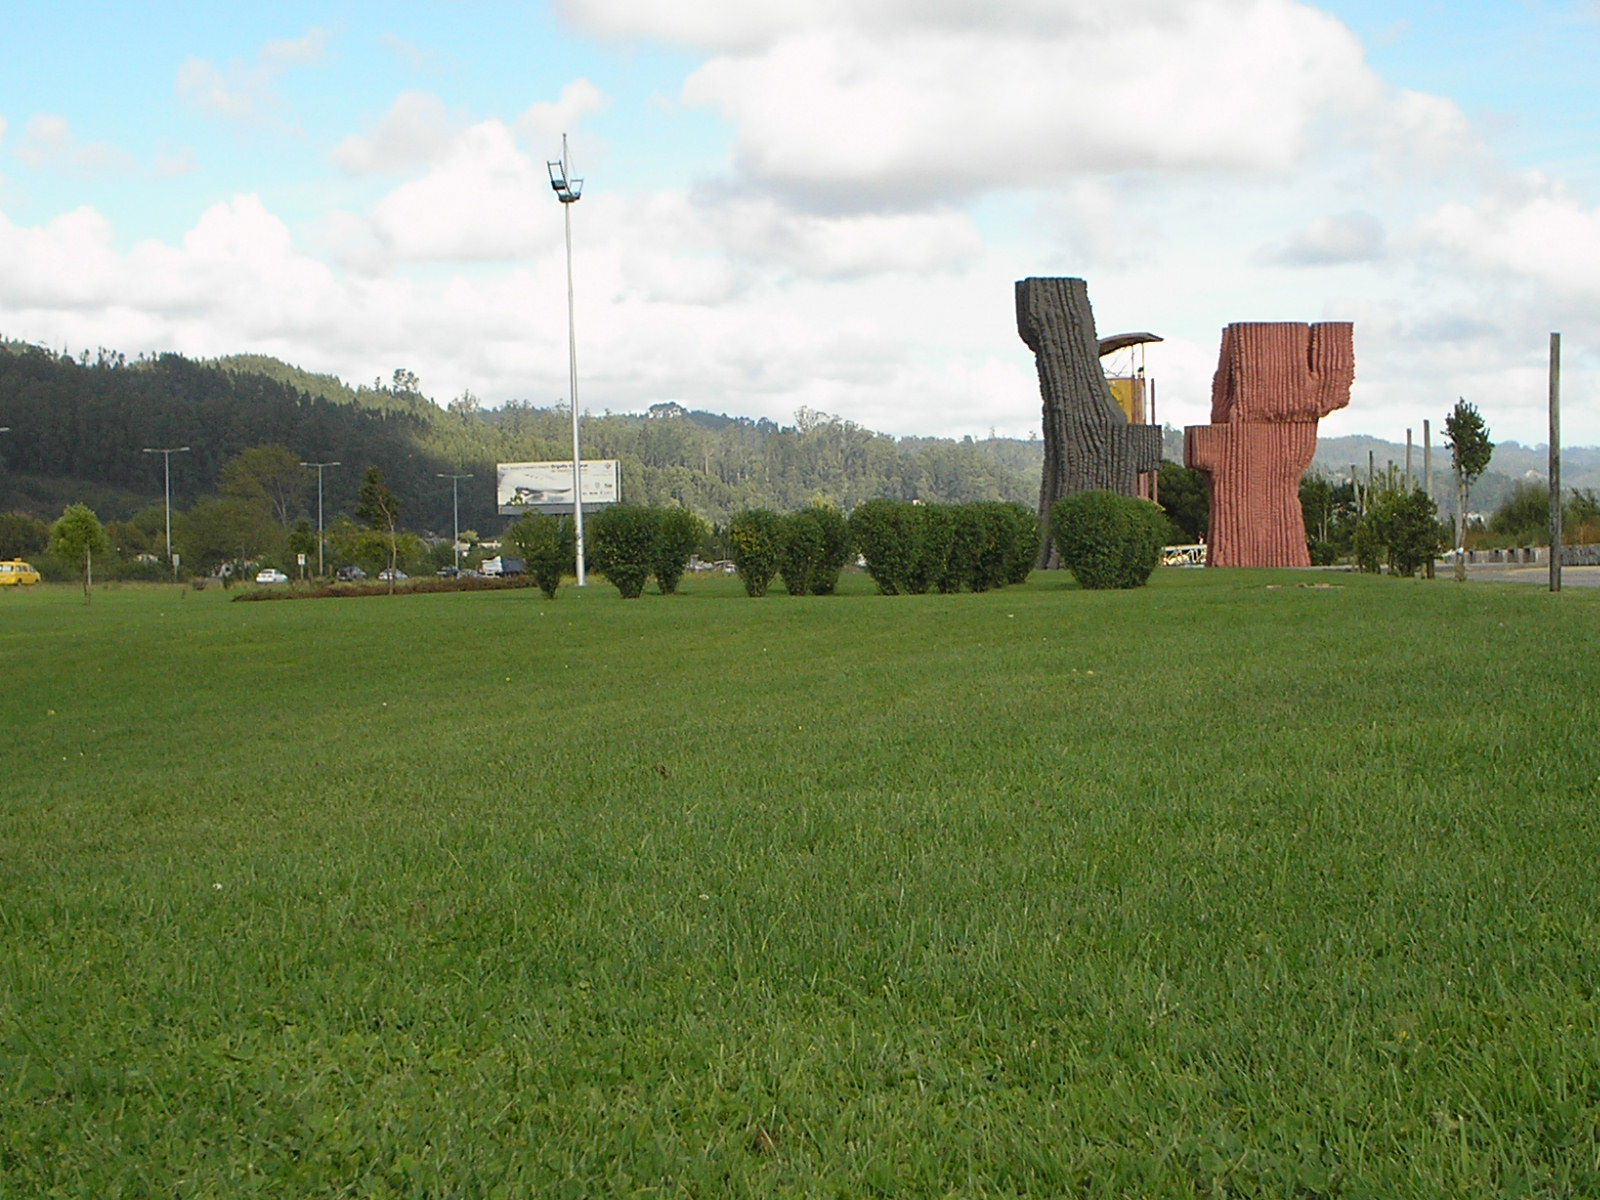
x=547 y=486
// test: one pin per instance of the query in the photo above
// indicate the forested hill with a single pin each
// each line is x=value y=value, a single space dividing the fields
x=79 y=428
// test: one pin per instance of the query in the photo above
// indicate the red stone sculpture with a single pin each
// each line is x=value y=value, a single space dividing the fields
x=1274 y=382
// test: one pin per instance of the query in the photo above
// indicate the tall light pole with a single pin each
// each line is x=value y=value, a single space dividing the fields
x=320 y=466
x=568 y=191
x=166 y=453
x=455 y=513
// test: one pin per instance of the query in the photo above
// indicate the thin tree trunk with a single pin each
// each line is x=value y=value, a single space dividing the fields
x=1461 y=527
x=88 y=574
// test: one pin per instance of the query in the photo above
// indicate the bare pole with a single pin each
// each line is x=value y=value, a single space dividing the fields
x=1155 y=480
x=166 y=453
x=455 y=513
x=1555 y=462
x=319 y=466
x=1427 y=455
x=568 y=191
x=1408 y=460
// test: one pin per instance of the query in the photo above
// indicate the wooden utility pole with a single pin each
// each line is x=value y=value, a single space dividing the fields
x=1427 y=456
x=1408 y=460
x=1555 y=462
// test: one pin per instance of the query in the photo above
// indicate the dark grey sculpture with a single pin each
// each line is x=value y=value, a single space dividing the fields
x=1088 y=441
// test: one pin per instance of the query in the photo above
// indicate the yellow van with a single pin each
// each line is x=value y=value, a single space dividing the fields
x=14 y=571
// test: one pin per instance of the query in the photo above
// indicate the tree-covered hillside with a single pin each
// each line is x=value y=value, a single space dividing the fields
x=79 y=427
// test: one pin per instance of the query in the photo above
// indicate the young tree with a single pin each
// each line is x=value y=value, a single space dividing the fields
x=1401 y=527
x=79 y=535
x=1470 y=450
x=379 y=509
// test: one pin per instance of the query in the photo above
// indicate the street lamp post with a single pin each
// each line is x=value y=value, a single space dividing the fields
x=166 y=453
x=320 y=466
x=568 y=191
x=455 y=513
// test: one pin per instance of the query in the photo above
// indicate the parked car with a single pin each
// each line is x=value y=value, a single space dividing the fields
x=14 y=572
x=271 y=575
x=349 y=574
x=392 y=574
x=447 y=572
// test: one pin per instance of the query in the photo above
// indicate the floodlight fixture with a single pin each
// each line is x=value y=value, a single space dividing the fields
x=567 y=189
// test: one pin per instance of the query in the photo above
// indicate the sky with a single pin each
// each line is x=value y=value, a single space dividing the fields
x=816 y=204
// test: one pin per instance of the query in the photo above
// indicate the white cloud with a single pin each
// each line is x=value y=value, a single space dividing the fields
x=414 y=130
x=172 y=161
x=303 y=51
x=549 y=118
x=475 y=203
x=246 y=90
x=1413 y=131
x=1534 y=229
x=48 y=140
x=1350 y=237
x=872 y=103
x=410 y=55
x=844 y=247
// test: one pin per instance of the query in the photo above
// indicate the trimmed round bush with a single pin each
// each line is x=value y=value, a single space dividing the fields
x=756 y=538
x=993 y=553
x=678 y=534
x=835 y=548
x=548 y=544
x=1025 y=541
x=800 y=554
x=966 y=542
x=882 y=530
x=624 y=538
x=1107 y=540
x=932 y=530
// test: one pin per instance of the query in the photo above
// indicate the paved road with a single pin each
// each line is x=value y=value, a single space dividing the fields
x=1505 y=573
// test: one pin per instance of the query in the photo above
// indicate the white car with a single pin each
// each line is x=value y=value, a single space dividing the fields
x=271 y=575
x=395 y=576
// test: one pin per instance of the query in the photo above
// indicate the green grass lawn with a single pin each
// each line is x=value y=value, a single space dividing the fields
x=1213 y=889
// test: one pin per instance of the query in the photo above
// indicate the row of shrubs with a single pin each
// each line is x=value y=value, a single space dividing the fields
x=916 y=548
x=1106 y=540
x=627 y=543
